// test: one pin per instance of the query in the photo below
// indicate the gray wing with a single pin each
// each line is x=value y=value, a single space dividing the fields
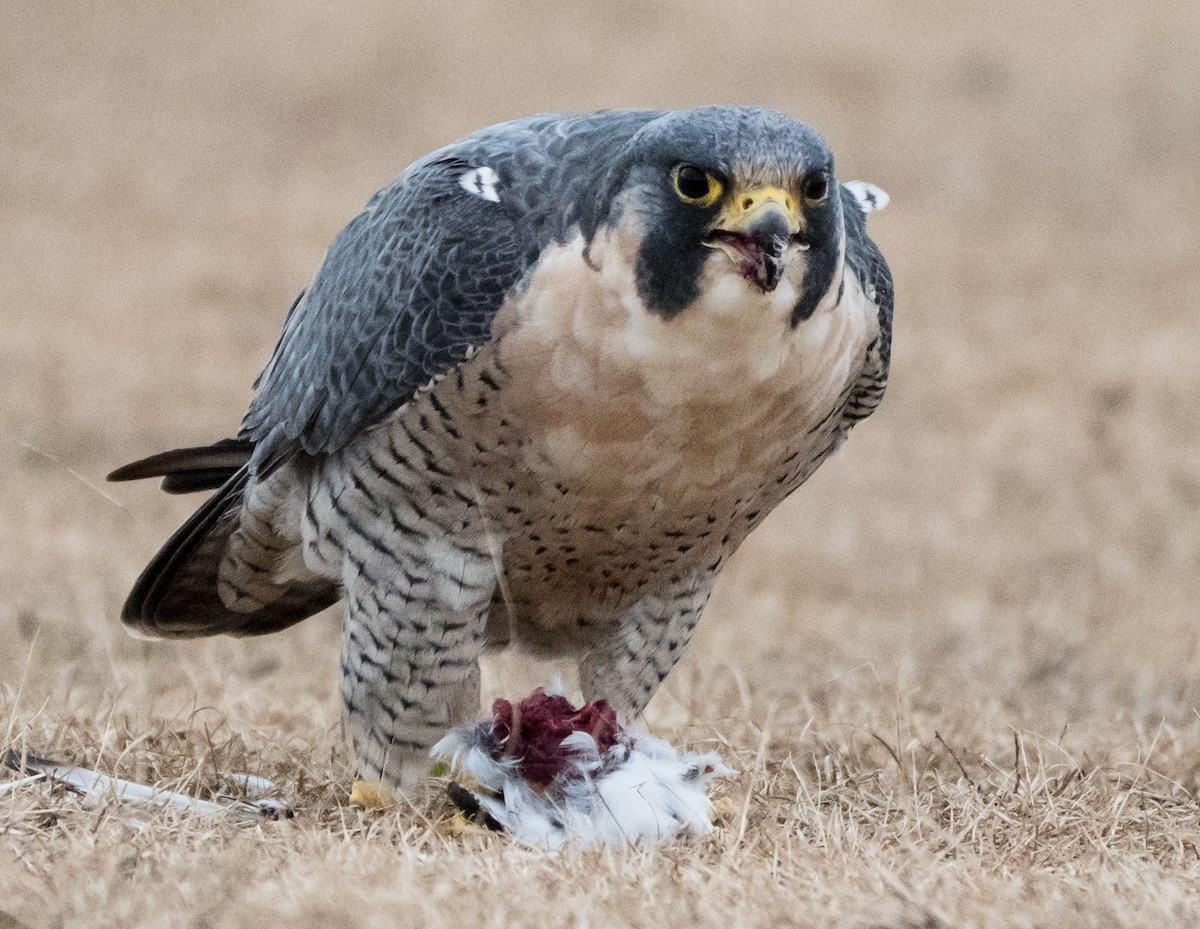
x=406 y=288
x=414 y=281
x=865 y=260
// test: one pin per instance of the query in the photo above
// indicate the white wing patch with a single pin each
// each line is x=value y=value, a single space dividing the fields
x=482 y=183
x=871 y=199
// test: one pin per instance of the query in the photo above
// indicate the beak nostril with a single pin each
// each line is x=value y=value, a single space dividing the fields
x=747 y=202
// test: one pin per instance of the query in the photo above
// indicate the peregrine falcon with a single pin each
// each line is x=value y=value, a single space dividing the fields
x=539 y=391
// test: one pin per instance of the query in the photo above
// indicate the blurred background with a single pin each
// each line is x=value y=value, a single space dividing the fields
x=1012 y=539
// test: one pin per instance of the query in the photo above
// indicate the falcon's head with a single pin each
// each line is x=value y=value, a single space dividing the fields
x=740 y=193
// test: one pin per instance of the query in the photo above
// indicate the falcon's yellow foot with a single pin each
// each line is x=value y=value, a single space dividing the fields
x=456 y=825
x=723 y=811
x=460 y=826
x=370 y=796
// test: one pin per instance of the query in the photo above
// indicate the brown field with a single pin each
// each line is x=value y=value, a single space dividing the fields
x=958 y=672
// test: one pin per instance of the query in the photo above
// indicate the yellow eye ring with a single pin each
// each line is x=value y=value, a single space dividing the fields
x=695 y=185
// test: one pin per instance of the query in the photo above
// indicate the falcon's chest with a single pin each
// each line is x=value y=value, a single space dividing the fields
x=628 y=409
x=602 y=451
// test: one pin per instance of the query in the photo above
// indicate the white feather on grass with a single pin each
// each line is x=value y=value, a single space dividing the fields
x=96 y=786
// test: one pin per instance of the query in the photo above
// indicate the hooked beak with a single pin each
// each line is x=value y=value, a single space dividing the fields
x=757 y=230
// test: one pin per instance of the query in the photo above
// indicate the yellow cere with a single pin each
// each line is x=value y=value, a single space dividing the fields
x=746 y=206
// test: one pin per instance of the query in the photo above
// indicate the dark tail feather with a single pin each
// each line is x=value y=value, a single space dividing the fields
x=176 y=596
x=185 y=470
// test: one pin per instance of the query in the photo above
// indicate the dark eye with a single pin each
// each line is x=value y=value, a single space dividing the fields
x=696 y=185
x=816 y=188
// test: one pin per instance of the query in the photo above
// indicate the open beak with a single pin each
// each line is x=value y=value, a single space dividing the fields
x=757 y=230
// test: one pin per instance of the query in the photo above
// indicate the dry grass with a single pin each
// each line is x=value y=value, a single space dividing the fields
x=958 y=672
